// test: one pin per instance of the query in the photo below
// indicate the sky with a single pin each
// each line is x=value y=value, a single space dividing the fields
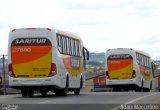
x=102 y=24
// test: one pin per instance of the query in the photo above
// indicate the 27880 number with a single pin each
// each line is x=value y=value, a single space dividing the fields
x=22 y=49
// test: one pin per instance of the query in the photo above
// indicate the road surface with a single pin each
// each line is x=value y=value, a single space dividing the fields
x=84 y=101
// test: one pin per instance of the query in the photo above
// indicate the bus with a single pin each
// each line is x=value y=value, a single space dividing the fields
x=156 y=73
x=128 y=69
x=44 y=59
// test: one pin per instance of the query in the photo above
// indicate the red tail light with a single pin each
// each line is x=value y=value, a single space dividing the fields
x=107 y=75
x=10 y=71
x=13 y=30
x=49 y=29
x=53 y=70
x=134 y=74
x=30 y=28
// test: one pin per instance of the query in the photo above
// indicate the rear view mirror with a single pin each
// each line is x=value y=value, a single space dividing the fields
x=85 y=53
x=156 y=68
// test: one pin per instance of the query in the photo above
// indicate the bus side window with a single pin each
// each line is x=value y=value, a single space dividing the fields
x=137 y=57
x=59 y=43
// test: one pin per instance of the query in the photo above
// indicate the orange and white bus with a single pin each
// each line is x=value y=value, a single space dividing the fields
x=43 y=59
x=128 y=69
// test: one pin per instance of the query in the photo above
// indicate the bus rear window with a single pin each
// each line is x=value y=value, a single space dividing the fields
x=119 y=56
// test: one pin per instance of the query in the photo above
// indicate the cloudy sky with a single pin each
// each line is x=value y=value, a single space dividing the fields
x=102 y=24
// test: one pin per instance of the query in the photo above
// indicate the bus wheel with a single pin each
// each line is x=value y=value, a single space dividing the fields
x=115 y=89
x=57 y=92
x=150 y=86
x=137 y=89
x=77 y=91
x=30 y=93
x=141 y=88
x=44 y=93
x=24 y=93
x=65 y=90
x=81 y=82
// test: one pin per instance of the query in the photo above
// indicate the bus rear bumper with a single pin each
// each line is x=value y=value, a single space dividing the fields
x=122 y=82
x=20 y=83
x=130 y=84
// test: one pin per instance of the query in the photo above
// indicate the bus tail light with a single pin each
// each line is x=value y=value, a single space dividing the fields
x=107 y=75
x=134 y=74
x=13 y=30
x=30 y=28
x=10 y=71
x=53 y=70
x=49 y=29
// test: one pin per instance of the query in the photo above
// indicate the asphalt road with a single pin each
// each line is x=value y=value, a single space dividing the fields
x=84 y=101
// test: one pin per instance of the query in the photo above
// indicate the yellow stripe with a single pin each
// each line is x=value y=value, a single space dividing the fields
x=36 y=68
x=125 y=73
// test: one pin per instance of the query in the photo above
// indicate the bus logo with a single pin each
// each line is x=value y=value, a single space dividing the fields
x=31 y=41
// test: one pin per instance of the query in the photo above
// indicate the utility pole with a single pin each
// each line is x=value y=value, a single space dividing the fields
x=4 y=75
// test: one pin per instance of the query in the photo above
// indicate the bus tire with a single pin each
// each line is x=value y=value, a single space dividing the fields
x=150 y=86
x=81 y=82
x=24 y=93
x=137 y=89
x=141 y=88
x=58 y=94
x=148 y=89
x=116 y=89
x=65 y=90
x=44 y=93
x=30 y=93
x=77 y=91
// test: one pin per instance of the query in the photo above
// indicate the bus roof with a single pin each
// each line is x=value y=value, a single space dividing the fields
x=68 y=34
x=131 y=49
x=19 y=29
x=64 y=33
